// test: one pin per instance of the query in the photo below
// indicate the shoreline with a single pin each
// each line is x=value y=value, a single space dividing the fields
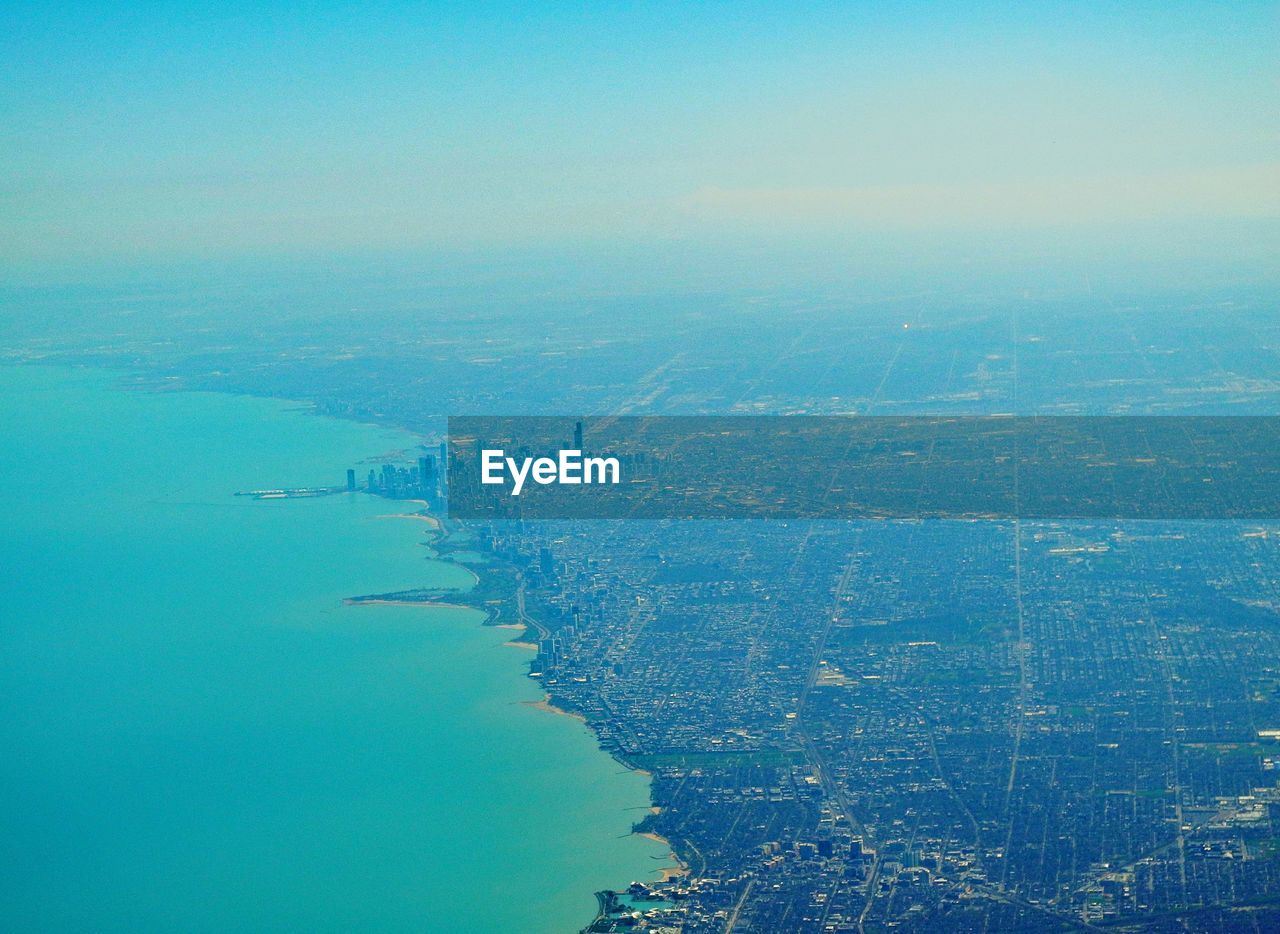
x=440 y=532
x=548 y=707
x=129 y=377
x=369 y=670
x=420 y=516
x=677 y=868
x=668 y=872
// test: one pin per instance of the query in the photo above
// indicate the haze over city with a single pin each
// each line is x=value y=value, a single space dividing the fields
x=921 y=366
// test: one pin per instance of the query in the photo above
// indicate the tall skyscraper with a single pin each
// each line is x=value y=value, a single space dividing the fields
x=351 y=480
x=442 y=479
x=577 y=436
x=427 y=474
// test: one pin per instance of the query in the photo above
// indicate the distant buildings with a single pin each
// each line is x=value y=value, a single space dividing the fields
x=423 y=481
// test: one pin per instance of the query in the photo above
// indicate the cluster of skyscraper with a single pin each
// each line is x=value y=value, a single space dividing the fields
x=423 y=481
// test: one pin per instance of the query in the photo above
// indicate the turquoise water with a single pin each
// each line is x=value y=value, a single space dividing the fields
x=199 y=735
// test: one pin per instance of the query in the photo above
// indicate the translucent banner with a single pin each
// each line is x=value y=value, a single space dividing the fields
x=791 y=467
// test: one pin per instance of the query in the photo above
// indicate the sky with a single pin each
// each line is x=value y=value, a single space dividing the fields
x=139 y=133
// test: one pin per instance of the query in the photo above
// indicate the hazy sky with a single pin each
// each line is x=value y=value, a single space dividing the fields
x=168 y=130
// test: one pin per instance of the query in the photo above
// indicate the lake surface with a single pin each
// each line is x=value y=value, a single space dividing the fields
x=199 y=735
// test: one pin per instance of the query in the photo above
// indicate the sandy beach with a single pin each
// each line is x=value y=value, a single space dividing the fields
x=668 y=872
x=419 y=516
x=552 y=708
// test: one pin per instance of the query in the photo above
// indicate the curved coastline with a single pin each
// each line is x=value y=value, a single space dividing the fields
x=440 y=534
x=375 y=695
